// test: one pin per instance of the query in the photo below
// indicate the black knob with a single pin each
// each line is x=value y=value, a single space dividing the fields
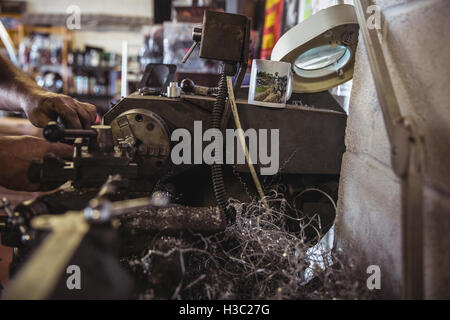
x=187 y=85
x=53 y=132
x=34 y=171
x=197 y=34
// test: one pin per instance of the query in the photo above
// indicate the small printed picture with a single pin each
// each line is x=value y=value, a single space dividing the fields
x=270 y=88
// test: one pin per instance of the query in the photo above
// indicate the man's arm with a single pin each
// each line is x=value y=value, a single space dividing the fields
x=18 y=92
x=16 y=154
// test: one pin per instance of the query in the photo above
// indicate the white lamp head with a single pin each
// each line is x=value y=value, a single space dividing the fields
x=321 y=49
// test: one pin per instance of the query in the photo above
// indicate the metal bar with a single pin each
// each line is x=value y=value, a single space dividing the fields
x=385 y=90
x=39 y=276
x=406 y=159
x=124 y=70
x=127 y=206
x=6 y=39
x=412 y=225
x=243 y=144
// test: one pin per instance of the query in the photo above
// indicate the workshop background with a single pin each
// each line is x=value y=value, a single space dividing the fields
x=85 y=63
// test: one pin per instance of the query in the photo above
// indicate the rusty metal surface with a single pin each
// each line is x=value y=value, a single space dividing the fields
x=311 y=139
x=150 y=132
x=173 y=220
x=223 y=36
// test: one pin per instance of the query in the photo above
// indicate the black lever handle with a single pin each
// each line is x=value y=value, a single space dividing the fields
x=188 y=86
x=55 y=132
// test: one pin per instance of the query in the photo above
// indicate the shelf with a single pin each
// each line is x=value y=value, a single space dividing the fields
x=91 y=96
x=95 y=69
x=67 y=37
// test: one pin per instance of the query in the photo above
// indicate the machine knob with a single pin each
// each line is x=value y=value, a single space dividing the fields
x=197 y=33
x=53 y=132
x=173 y=90
x=187 y=85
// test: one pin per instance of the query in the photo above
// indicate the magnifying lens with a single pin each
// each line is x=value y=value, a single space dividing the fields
x=321 y=49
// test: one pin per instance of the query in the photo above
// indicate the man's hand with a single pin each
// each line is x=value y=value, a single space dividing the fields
x=49 y=106
x=18 y=92
x=16 y=154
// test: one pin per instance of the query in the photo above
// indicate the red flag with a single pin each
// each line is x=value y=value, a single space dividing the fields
x=272 y=27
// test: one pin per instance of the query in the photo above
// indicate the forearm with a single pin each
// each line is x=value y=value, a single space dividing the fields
x=16 y=154
x=20 y=93
x=17 y=90
x=14 y=161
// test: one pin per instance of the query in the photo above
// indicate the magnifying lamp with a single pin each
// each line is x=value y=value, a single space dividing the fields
x=321 y=49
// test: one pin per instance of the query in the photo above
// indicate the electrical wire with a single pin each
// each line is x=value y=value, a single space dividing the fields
x=216 y=169
x=242 y=140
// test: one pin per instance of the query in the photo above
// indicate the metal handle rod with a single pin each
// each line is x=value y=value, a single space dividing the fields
x=127 y=206
x=243 y=144
x=7 y=42
x=188 y=54
x=407 y=159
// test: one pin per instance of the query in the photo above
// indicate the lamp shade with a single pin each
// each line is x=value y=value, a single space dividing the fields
x=321 y=49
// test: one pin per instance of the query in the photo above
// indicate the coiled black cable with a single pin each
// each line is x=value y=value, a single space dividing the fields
x=215 y=123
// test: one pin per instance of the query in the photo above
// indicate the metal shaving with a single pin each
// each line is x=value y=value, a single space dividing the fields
x=256 y=257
